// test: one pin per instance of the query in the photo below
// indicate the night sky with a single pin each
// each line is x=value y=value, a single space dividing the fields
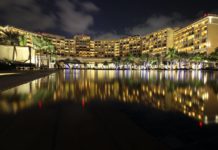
x=102 y=19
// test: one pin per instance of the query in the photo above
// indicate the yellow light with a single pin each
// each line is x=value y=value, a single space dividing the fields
x=193 y=114
x=190 y=93
x=208 y=44
x=206 y=120
x=180 y=100
x=150 y=94
x=158 y=103
x=199 y=117
x=190 y=104
x=210 y=19
x=189 y=113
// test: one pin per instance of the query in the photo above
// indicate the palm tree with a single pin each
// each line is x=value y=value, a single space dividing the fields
x=75 y=62
x=144 y=58
x=105 y=63
x=2 y=35
x=182 y=57
x=213 y=56
x=38 y=46
x=23 y=42
x=198 y=58
x=152 y=60
x=96 y=65
x=48 y=48
x=129 y=60
x=171 y=55
x=85 y=65
x=10 y=38
x=43 y=45
x=116 y=61
x=158 y=58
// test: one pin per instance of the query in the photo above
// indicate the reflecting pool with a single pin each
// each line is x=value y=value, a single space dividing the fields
x=191 y=93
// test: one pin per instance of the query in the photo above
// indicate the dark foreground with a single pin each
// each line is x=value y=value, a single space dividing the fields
x=102 y=125
x=123 y=110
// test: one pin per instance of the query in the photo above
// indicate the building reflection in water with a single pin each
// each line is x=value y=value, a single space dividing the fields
x=194 y=93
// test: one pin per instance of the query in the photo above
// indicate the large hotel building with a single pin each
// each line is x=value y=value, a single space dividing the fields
x=198 y=37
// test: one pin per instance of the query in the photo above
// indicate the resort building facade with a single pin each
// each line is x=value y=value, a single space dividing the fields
x=130 y=45
x=83 y=46
x=63 y=46
x=198 y=37
x=158 y=42
x=106 y=48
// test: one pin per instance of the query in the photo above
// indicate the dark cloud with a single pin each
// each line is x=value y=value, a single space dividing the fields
x=26 y=14
x=153 y=23
x=157 y=22
x=99 y=17
x=73 y=20
x=90 y=7
x=29 y=14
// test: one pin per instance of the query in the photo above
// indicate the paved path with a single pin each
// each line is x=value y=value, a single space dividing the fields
x=14 y=78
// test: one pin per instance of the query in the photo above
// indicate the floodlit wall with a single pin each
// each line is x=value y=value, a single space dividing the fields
x=6 y=52
x=170 y=40
x=212 y=37
x=21 y=54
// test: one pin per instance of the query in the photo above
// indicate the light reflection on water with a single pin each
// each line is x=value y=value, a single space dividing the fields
x=193 y=93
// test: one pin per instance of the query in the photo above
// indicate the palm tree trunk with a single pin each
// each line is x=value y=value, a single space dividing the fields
x=48 y=59
x=171 y=65
x=30 y=55
x=38 y=63
x=144 y=64
x=147 y=63
x=14 y=52
x=189 y=65
x=40 y=59
x=179 y=64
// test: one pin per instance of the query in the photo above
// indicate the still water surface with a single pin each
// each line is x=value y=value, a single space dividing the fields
x=192 y=93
